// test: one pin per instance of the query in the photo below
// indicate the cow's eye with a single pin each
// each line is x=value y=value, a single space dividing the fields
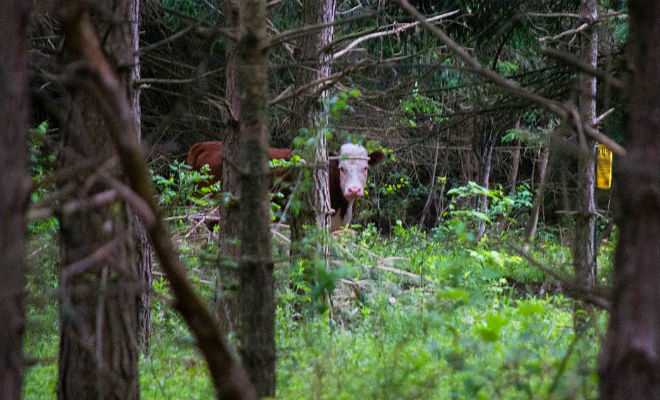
x=342 y=169
x=364 y=170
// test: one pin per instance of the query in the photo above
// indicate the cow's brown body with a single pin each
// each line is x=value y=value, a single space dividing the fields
x=341 y=198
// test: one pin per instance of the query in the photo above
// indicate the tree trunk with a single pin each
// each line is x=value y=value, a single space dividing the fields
x=229 y=378
x=584 y=257
x=530 y=231
x=515 y=162
x=427 y=205
x=143 y=249
x=314 y=58
x=14 y=192
x=228 y=248
x=256 y=292
x=483 y=150
x=98 y=283
x=630 y=361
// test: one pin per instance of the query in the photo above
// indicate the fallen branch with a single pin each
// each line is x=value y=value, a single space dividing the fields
x=596 y=295
x=382 y=261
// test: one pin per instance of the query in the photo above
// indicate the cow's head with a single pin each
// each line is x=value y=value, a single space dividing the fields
x=354 y=163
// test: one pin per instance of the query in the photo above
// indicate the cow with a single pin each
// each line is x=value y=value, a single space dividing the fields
x=210 y=153
x=347 y=173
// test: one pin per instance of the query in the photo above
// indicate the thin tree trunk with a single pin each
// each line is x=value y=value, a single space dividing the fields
x=584 y=257
x=256 y=292
x=14 y=192
x=484 y=182
x=98 y=284
x=315 y=58
x=483 y=149
x=228 y=248
x=142 y=247
x=530 y=231
x=630 y=355
x=513 y=178
x=427 y=205
x=515 y=162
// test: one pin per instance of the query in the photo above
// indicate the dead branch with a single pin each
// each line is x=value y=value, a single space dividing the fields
x=326 y=82
x=597 y=295
x=574 y=61
x=71 y=207
x=305 y=30
x=398 y=28
x=565 y=33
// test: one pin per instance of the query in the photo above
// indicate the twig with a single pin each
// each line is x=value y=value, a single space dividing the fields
x=602 y=116
x=566 y=33
x=504 y=83
x=572 y=60
x=562 y=366
x=381 y=261
x=398 y=28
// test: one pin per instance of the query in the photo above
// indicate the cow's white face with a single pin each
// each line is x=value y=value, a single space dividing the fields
x=353 y=165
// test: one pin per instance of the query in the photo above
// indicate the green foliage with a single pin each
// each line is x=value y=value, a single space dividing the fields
x=41 y=159
x=41 y=164
x=184 y=186
x=462 y=216
x=507 y=68
x=418 y=107
x=466 y=333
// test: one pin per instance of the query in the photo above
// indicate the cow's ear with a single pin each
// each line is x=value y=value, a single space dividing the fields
x=375 y=157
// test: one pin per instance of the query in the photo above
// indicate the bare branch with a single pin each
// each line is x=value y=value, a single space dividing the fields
x=146 y=81
x=167 y=40
x=566 y=33
x=604 y=115
x=398 y=28
x=99 y=199
x=570 y=59
x=327 y=81
x=552 y=15
x=297 y=32
x=511 y=86
x=596 y=295
x=504 y=83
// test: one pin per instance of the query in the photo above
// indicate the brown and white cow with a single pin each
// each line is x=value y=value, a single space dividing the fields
x=347 y=173
x=347 y=176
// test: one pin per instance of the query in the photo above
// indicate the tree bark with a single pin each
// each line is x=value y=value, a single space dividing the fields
x=229 y=378
x=256 y=292
x=630 y=355
x=584 y=257
x=142 y=247
x=98 y=283
x=14 y=192
x=228 y=248
x=314 y=57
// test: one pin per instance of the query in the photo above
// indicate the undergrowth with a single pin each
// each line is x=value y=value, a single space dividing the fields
x=411 y=315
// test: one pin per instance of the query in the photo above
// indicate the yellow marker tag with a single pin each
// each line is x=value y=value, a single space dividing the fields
x=604 y=168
